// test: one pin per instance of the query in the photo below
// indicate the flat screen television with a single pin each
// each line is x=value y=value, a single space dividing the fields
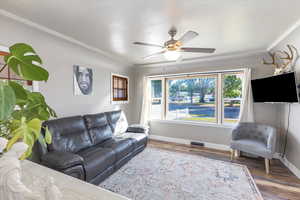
x=275 y=89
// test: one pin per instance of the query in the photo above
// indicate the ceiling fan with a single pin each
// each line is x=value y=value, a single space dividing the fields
x=172 y=48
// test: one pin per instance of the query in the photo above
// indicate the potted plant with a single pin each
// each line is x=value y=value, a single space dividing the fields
x=22 y=111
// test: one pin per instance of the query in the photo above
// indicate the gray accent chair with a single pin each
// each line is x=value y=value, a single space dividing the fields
x=256 y=139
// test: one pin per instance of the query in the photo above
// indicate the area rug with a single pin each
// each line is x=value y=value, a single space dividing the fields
x=157 y=174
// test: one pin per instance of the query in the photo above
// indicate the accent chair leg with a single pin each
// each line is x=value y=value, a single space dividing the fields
x=232 y=154
x=237 y=153
x=267 y=165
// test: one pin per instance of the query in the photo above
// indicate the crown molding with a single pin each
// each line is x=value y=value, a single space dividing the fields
x=42 y=28
x=284 y=35
x=205 y=59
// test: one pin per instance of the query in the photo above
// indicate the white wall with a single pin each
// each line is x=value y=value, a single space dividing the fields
x=264 y=113
x=59 y=56
x=293 y=142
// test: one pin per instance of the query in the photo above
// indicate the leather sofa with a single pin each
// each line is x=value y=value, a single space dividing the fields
x=85 y=147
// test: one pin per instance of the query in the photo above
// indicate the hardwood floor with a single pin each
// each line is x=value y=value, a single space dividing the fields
x=280 y=184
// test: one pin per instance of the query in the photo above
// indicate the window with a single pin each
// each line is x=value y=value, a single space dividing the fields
x=7 y=74
x=192 y=99
x=156 y=99
x=232 y=94
x=207 y=97
x=119 y=88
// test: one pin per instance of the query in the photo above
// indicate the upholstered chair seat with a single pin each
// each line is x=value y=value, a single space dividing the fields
x=254 y=138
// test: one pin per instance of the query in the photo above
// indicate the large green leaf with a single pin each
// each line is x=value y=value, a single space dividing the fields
x=17 y=135
x=29 y=132
x=20 y=92
x=35 y=126
x=7 y=101
x=17 y=114
x=22 y=60
x=37 y=107
x=48 y=136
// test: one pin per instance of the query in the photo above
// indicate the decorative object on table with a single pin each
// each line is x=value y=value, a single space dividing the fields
x=22 y=111
x=164 y=174
x=11 y=186
x=283 y=61
x=82 y=80
x=256 y=139
x=51 y=191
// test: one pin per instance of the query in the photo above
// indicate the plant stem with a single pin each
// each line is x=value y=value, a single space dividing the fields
x=3 y=68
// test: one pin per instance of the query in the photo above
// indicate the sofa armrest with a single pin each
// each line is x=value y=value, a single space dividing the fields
x=138 y=128
x=61 y=160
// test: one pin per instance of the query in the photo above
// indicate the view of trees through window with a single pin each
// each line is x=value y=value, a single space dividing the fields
x=195 y=98
x=232 y=94
x=192 y=99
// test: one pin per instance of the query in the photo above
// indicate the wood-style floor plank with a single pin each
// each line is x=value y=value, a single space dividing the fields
x=280 y=184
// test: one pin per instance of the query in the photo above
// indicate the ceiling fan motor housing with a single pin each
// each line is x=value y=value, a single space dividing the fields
x=173 y=45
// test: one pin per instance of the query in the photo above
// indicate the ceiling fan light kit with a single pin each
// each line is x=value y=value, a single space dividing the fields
x=172 y=49
x=172 y=55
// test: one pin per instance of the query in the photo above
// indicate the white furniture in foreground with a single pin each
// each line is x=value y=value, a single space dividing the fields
x=35 y=176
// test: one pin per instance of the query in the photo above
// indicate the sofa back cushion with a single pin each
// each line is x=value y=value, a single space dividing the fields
x=112 y=118
x=98 y=127
x=68 y=134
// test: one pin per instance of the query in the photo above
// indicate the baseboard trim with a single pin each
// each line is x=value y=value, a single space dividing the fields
x=291 y=166
x=288 y=164
x=188 y=142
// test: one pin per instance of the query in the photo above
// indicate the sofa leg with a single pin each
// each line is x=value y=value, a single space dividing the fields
x=231 y=154
x=267 y=165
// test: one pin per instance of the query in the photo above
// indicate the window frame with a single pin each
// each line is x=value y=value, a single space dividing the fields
x=116 y=100
x=219 y=99
x=163 y=107
x=4 y=51
x=222 y=102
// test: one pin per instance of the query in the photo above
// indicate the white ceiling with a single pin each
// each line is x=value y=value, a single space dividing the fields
x=230 y=26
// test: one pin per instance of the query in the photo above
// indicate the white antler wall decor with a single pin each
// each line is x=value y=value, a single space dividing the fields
x=283 y=61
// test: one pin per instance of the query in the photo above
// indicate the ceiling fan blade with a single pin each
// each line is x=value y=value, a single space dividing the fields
x=147 y=44
x=188 y=36
x=154 y=55
x=179 y=59
x=198 y=50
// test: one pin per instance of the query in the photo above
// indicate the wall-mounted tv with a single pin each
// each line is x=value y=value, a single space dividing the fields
x=280 y=88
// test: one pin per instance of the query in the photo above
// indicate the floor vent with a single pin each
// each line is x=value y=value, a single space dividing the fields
x=200 y=144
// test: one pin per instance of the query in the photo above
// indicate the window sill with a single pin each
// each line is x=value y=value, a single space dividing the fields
x=119 y=102
x=202 y=124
